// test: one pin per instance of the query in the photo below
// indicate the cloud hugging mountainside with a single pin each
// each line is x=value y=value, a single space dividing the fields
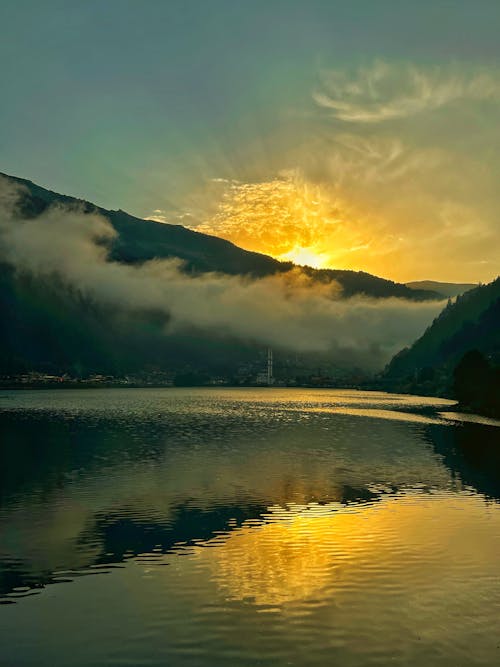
x=90 y=288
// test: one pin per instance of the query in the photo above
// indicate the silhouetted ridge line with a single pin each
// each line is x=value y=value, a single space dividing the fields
x=140 y=240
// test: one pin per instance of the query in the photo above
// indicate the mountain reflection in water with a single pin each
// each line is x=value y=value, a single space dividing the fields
x=281 y=501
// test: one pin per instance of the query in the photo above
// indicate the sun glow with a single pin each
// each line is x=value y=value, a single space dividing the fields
x=305 y=257
x=287 y=218
x=329 y=224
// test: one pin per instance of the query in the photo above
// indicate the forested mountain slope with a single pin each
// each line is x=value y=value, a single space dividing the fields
x=472 y=322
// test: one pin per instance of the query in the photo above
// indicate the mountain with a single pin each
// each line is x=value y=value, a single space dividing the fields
x=140 y=240
x=51 y=327
x=472 y=322
x=446 y=289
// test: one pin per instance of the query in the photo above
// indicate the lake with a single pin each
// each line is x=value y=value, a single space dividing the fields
x=214 y=527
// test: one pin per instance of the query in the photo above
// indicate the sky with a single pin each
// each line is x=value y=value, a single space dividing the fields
x=357 y=134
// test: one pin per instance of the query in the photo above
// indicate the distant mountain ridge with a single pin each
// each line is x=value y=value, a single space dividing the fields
x=446 y=289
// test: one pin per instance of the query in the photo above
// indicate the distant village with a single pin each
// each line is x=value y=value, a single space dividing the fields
x=260 y=373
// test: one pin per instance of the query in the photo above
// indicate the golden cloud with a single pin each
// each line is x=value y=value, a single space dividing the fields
x=287 y=218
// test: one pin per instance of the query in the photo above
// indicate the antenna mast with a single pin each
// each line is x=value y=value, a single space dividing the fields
x=270 y=378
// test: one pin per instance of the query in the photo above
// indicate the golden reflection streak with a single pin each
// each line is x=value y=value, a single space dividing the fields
x=303 y=550
x=293 y=556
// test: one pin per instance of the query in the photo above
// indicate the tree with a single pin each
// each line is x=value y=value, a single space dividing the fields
x=471 y=379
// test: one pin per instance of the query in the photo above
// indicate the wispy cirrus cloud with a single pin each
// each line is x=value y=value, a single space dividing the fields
x=384 y=91
x=372 y=160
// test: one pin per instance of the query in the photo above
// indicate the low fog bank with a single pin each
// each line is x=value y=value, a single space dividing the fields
x=287 y=311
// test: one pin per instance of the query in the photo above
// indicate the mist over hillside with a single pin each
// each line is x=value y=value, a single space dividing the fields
x=84 y=289
x=139 y=240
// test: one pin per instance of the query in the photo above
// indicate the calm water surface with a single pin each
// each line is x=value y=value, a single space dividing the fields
x=246 y=527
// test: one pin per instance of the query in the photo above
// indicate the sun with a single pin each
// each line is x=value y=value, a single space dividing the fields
x=305 y=257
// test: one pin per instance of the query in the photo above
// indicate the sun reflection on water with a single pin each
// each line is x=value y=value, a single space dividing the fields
x=292 y=555
x=306 y=554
